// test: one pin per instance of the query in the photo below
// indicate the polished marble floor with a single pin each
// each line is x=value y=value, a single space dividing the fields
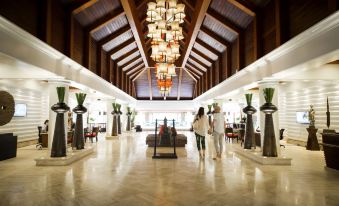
x=122 y=172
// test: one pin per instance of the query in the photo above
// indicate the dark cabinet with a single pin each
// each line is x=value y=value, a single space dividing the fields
x=8 y=146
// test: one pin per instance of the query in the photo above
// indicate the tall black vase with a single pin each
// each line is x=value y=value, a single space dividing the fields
x=59 y=137
x=114 y=126
x=249 y=142
x=128 y=127
x=119 y=124
x=78 y=137
x=269 y=146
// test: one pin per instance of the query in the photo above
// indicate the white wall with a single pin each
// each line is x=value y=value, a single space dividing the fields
x=298 y=96
x=36 y=100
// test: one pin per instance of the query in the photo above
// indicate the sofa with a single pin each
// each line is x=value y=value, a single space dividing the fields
x=181 y=140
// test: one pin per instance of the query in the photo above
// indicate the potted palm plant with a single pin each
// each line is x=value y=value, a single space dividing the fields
x=249 y=110
x=59 y=137
x=269 y=147
x=129 y=113
x=78 y=138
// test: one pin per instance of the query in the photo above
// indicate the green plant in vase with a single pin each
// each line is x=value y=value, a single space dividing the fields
x=59 y=137
x=129 y=113
x=269 y=146
x=249 y=110
x=78 y=138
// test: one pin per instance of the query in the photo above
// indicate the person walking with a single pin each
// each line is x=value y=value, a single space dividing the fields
x=200 y=127
x=218 y=131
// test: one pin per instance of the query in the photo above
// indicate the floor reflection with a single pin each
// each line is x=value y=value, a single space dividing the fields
x=122 y=172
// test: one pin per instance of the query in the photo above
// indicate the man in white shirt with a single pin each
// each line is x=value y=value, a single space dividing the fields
x=218 y=131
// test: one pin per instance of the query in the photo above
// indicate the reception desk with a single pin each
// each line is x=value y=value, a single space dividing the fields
x=44 y=138
x=8 y=146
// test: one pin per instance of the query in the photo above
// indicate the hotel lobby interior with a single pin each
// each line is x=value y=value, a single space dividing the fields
x=99 y=101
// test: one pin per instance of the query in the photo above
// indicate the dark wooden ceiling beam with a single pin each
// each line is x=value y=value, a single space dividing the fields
x=198 y=17
x=129 y=62
x=114 y=35
x=204 y=56
x=244 y=6
x=120 y=47
x=142 y=3
x=99 y=24
x=132 y=16
x=199 y=62
x=193 y=75
x=188 y=4
x=135 y=70
x=126 y=55
x=84 y=6
x=132 y=76
x=215 y=36
x=224 y=21
x=195 y=67
x=135 y=78
x=208 y=47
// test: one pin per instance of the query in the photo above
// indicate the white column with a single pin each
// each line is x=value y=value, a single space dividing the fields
x=262 y=86
x=123 y=117
x=53 y=99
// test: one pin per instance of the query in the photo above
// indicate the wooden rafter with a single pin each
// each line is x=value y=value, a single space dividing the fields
x=204 y=56
x=149 y=83
x=114 y=35
x=132 y=16
x=126 y=55
x=128 y=63
x=243 y=6
x=188 y=4
x=192 y=68
x=179 y=85
x=215 y=36
x=142 y=71
x=99 y=25
x=198 y=17
x=224 y=21
x=196 y=67
x=84 y=6
x=135 y=70
x=208 y=47
x=192 y=75
x=199 y=62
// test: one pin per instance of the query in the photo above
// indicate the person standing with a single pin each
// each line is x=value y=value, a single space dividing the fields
x=218 y=131
x=200 y=127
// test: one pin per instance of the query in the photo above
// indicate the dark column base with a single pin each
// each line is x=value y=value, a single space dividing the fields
x=249 y=133
x=312 y=141
x=269 y=147
x=78 y=137
x=59 y=139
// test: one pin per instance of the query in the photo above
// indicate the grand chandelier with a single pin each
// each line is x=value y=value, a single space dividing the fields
x=165 y=17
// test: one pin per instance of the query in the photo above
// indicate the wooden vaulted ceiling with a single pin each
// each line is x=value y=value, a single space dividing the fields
x=109 y=37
